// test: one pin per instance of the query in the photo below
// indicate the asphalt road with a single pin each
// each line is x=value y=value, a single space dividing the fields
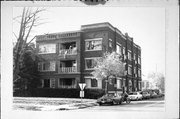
x=144 y=105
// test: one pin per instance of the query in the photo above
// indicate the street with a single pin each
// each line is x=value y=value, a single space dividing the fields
x=144 y=105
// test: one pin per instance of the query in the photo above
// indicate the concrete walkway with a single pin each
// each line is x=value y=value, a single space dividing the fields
x=51 y=104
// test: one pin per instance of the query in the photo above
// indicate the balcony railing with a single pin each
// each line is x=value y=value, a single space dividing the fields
x=67 y=70
x=68 y=51
x=67 y=86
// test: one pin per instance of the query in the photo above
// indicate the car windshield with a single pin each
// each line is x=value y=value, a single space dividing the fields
x=132 y=93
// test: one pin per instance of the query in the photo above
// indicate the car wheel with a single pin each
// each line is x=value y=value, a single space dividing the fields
x=113 y=102
x=100 y=104
x=137 y=99
x=128 y=100
x=120 y=102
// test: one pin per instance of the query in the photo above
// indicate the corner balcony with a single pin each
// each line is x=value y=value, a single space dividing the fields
x=68 y=51
x=67 y=70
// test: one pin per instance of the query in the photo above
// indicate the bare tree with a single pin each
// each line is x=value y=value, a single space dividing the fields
x=29 y=19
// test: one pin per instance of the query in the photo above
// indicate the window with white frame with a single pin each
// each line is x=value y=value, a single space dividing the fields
x=52 y=84
x=139 y=60
x=90 y=63
x=94 y=82
x=129 y=55
x=118 y=49
x=91 y=82
x=47 y=66
x=129 y=69
x=119 y=83
x=47 y=48
x=134 y=70
x=48 y=83
x=124 y=50
x=93 y=44
x=110 y=43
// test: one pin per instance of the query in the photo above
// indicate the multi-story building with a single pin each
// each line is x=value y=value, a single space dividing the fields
x=68 y=58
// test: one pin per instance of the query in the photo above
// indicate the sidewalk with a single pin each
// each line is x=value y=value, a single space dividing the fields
x=51 y=104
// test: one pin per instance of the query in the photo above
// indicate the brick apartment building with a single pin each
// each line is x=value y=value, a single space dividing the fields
x=68 y=58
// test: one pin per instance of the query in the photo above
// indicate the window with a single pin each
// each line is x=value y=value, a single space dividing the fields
x=129 y=55
x=139 y=60
x=90 y=63
x=48 y=83
x=135 y=84
x=139 y=84
x=118 y=49
x=134 y=56
x=47 y=48
x=93 y=44
x=119 y=85
x=130 y=69
x=94 y=82
x=134 y=70
x=67 y=83
x=110 y=43
x=139 y=72
x=124 y=50
x=47 y=66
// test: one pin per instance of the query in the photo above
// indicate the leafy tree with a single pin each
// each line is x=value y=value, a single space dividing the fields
x=158 y=80
x=109 y=65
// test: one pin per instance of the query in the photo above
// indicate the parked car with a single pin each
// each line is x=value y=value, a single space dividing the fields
x=154 y=95
x=110 y=98
x=145 y=95
x=135 y=96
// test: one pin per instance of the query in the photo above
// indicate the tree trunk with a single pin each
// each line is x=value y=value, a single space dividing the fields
x=106 y=85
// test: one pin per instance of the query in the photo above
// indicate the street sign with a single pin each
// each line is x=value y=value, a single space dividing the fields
x=82 y=85
x=81 y=93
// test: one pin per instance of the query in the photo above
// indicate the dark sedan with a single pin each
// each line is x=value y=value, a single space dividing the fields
x=110 y=98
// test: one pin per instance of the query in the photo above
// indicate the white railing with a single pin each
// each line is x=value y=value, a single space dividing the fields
x=67 y=69
x=67 y=86
x=68 y=51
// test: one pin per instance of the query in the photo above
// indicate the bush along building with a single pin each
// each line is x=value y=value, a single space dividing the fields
x=68 y=58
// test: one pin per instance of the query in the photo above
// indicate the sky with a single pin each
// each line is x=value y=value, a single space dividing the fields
x=145 y=24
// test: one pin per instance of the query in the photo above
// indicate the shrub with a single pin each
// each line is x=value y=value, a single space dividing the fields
x=63 y=93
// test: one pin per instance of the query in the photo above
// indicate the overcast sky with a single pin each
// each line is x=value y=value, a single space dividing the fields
x=145 y=24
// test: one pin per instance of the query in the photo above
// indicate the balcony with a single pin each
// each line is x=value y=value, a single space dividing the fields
x=67 y=70
x=67 y=86
x=68 y=51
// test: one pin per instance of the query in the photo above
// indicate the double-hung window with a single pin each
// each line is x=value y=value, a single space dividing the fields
x=139 y=60
x=129 y=69
x=110 y=43
x=129 y=55
x=47 y=66
x=90 y=63
x=93 y=44
x=118 y=48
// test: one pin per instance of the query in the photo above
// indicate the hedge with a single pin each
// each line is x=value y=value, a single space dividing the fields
x=63 y=93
